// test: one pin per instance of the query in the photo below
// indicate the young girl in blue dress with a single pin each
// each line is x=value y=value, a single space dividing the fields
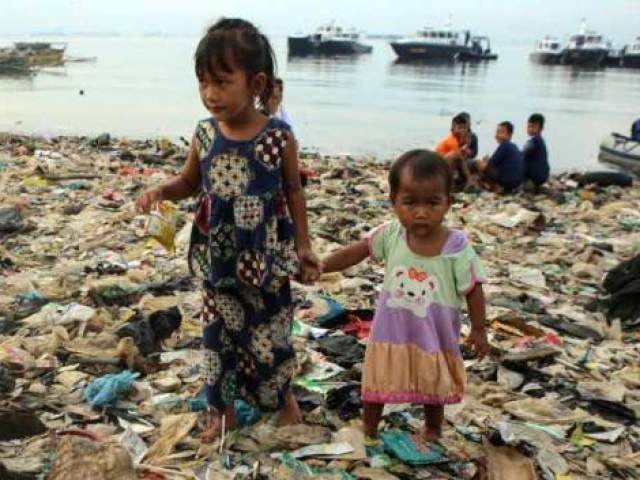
x=250 y=233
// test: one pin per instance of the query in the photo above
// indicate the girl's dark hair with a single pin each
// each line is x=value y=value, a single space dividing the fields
x=235 y=43
x=422 y=164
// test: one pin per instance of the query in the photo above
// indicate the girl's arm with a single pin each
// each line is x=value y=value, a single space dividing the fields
x=346 y=257
x=185 y=185
x=478 y=335
x=310 y=265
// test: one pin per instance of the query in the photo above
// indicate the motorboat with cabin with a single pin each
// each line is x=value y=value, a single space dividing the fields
x=328 y=39
x=631 y=55
x=443 y=44
x=586 y=48
x=548 y=52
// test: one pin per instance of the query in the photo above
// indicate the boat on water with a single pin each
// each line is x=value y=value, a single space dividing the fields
x=586 y=48
x=548 y=52
x=42 y=54
x=631 y=55
x=621 y=151
x=443 y=44
x=11 y=63
x=328 y=39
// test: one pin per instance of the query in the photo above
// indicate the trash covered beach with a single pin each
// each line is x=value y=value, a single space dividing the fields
x=100 y=359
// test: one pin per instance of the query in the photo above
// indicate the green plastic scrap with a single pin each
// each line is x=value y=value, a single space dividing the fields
x=410 y=449
x=302 y=470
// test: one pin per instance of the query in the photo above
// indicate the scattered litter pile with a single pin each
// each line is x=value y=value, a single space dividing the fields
x=100 y=368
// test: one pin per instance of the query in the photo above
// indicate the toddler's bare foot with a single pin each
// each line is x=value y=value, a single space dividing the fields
x=431 y=434
x=213 y=427
x=290 y=413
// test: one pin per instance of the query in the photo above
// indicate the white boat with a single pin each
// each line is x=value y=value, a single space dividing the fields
x=586 y=48
x=548 y=51
x=631 y=55
x=621 y=151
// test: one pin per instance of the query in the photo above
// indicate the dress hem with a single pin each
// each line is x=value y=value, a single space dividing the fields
x=410 y=397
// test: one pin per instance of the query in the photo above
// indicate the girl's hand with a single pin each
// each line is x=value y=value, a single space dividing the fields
x=478 y=339
x=148 y=199
x=310 y=266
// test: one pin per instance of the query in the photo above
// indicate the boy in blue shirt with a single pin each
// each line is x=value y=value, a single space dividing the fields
x=635 y=130
x=504 y=170
x=534 y=152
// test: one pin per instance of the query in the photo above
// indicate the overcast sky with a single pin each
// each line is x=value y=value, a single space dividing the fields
x=505 y=20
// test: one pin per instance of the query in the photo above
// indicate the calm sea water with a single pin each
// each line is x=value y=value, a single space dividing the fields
x=145 y=86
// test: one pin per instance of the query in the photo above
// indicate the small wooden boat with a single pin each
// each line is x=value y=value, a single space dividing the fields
x=621 y=151
x=42 y=54
x=11 y=63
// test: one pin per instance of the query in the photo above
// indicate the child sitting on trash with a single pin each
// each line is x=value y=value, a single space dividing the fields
x=455 y=148
x=413 y=353
x=534 y=153
x=250 y=233
x=504 y=170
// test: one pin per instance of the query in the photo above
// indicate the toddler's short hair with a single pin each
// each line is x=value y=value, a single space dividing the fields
x=423 y=164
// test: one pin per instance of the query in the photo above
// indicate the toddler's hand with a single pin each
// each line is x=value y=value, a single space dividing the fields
x=310 y=266
x=478 y=339
x=148 y=199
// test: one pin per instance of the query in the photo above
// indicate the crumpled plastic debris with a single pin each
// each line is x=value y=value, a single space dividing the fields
x=105 y=390
x=77 y=269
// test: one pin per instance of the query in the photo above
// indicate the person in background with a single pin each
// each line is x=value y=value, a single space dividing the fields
x=275 y=109
x=635 y=130
x=504 y=170
x=472 y=138
x=455 y=150
x=534 y=153
x=274 y=104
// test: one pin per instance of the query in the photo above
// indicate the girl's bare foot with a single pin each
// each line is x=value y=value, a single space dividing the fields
x=290 y=413
x=213 y=427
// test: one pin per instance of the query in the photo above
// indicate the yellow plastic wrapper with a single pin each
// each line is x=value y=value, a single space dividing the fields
x=163 y=225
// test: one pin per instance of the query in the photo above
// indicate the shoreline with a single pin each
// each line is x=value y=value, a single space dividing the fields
x=305 y=153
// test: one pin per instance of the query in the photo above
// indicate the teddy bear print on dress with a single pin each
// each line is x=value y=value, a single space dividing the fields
x=412 y=289
x=270 y=148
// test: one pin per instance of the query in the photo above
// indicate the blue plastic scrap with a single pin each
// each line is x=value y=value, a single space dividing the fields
x=410 y=450
x=104 y=391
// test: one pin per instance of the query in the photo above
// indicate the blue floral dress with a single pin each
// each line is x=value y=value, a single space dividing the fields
x=243 y=248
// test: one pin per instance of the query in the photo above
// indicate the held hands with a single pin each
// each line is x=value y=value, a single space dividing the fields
x=478 y=340
x=310 y=266
x=148 y=199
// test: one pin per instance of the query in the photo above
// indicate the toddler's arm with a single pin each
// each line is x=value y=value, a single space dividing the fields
x=346 y=257
x=478 y=335
x=184 y=185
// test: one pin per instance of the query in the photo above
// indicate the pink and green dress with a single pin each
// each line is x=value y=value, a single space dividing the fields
x=413 y=353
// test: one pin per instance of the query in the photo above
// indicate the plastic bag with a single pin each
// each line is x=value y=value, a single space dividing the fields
x=163 y=225
x=105 y=390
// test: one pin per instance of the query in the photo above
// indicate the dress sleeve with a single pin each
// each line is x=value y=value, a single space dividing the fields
x=468 y=271
x=379 y=240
